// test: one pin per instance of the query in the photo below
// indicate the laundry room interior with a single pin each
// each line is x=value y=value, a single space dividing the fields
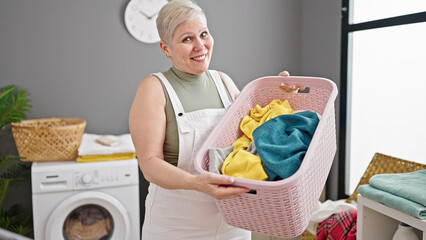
x=78 y=61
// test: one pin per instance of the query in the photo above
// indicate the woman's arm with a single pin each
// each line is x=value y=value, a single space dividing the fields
x=147 y=123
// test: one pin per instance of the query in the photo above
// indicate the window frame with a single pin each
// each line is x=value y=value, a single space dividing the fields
x=347 y=29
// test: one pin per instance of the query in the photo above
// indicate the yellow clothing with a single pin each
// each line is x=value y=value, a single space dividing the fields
x=111 y=157
x=241 y=163
x=245 y=165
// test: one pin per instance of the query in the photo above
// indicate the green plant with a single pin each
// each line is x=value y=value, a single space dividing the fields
x=14 y=218
x=14 y=105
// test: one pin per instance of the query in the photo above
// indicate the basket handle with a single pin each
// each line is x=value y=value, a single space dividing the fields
x=253 y=184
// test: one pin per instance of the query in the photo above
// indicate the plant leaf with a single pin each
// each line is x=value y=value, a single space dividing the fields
x=6 y=90
x=14 y=105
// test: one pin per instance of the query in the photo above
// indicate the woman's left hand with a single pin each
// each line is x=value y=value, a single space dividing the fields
x=284 y=74
x=286 y=87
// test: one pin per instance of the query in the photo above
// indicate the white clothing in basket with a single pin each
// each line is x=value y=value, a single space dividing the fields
x=188 y=214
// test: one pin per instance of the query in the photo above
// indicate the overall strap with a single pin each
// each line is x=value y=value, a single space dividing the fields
x=221 y=88
x=177 y=105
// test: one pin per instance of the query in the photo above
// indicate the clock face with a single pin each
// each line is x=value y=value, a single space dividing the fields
x=140 y=17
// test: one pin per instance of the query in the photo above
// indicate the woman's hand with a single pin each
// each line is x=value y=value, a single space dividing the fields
x=286 y=87
x=217 y=186
x=284 y=74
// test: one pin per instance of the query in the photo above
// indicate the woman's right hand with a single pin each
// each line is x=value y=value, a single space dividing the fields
x=217 y=186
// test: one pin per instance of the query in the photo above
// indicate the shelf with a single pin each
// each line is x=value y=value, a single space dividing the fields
x=377 y=221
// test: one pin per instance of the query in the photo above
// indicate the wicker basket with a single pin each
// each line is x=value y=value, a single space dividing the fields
x=385 y=164
x=279 y=208
x=48 y=139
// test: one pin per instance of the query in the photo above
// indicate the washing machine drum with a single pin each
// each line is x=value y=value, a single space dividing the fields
x=89 y=215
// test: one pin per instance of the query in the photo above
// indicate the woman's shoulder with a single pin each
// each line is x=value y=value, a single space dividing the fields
x=224 y=76
x=149 y=85
x=149 y=81
x=232 y=88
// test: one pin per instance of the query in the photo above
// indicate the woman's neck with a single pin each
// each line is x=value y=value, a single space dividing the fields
x=187 y=77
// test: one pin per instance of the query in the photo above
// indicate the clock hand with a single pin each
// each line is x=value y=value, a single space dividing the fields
x=155 y=14
x=149 y=17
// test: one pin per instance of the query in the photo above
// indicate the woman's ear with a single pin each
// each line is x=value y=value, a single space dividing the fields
x=165 y=48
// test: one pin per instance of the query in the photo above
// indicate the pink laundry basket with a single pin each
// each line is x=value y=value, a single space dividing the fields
x=278 y=208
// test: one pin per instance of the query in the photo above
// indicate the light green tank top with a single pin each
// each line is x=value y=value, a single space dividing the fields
x=195 y=92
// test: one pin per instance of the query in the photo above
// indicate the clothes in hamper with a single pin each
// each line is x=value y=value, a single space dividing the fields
x=411 y=185
x=340 y=226
x=401 y=204
x=283 y=141
x=239 y=162
x=218 y=155
x=216 y=158
x=259 y=115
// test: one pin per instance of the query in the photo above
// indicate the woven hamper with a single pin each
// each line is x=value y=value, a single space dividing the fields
x=278 y=208
x=48 y=139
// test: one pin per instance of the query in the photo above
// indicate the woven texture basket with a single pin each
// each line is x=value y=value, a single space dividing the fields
x=48 y=139
x=385 y=164
x=279 y=208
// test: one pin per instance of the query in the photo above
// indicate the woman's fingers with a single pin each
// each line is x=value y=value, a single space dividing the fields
x=291 y=88
x=284 y=74
x=226 y=191
x=220 y=179
x=219 y=186
x=288 y=88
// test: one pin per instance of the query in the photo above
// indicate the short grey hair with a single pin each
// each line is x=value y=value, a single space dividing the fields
x=175 y=13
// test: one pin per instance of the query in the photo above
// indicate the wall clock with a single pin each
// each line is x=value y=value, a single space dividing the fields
x=140 y=17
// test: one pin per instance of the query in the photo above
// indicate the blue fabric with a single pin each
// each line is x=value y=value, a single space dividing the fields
x=401 y=204
x=283 y=141
x=411 y=186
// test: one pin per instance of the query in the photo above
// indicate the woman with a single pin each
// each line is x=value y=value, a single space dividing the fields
x=171 y=115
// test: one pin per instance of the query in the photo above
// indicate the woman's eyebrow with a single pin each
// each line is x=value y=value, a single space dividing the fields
x=189 y=33
x=185 y=33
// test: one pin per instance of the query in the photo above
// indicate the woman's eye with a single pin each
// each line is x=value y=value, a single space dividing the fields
x=187 y=39
x=204 y=34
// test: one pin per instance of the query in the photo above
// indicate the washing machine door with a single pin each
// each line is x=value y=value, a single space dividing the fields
x=88 y=215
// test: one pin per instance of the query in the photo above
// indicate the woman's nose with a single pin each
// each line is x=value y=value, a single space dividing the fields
x=199 y=44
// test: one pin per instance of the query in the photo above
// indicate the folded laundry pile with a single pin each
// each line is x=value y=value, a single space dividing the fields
x=95 y=147
x=272 y=145
x=401 y=191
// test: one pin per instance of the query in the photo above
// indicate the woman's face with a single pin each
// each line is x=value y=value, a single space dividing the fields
x=192 y=47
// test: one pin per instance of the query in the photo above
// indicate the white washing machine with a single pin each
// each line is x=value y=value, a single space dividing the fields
x=97 y=200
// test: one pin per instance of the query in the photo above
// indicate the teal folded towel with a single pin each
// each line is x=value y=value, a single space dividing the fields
x=411 y=186
x=393 y=201
x=282 y=142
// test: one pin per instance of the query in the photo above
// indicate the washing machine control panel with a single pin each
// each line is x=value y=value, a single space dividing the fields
x=93 y=178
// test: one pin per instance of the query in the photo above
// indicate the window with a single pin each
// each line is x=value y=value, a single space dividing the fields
x=367 y=10
x=383 y=85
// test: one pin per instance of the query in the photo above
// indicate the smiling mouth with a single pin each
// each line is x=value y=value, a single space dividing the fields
x=200 y=58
